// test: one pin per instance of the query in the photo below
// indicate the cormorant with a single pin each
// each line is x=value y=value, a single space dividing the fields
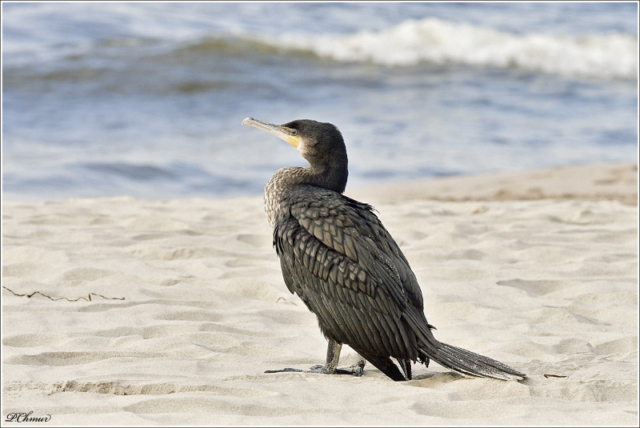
x=340 y=260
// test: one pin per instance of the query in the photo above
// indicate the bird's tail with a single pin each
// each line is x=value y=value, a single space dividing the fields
x=452 y=357
x=472 y=364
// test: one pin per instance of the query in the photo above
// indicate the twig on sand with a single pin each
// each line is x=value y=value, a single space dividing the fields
x=285 y=300
x=88 y=298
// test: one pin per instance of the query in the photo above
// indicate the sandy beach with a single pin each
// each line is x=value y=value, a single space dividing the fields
x=169 y=312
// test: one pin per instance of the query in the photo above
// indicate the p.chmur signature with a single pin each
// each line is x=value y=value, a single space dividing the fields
x=26 y=417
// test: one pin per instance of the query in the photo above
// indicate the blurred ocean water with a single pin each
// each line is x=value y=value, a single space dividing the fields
x=146 y=99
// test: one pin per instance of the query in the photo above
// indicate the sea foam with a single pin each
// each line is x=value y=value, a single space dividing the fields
x=439 y=41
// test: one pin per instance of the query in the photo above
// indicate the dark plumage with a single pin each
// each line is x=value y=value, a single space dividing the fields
x=339 y=259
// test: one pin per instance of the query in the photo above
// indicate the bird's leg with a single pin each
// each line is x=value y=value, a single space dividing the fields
x=333 y=357
x=331 y=367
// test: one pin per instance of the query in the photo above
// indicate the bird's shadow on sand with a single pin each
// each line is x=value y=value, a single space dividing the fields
x=429 y=379
x=437 y=377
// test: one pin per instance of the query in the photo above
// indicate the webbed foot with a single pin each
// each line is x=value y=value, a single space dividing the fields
x=354 y=370
x=333 y=355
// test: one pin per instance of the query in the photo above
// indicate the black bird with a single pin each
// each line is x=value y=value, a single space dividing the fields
x=340 y=260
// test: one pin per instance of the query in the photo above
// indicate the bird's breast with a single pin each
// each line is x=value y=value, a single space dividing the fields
x=275 y=194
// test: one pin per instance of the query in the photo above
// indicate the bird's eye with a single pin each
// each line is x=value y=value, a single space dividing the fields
x=294 y=132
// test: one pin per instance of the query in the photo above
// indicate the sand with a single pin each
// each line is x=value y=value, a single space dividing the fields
x=544 y=280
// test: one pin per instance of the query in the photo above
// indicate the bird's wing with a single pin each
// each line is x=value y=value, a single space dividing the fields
x=351 y=228
x=337 y=256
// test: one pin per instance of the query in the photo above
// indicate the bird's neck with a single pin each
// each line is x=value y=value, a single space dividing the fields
x=332 y=176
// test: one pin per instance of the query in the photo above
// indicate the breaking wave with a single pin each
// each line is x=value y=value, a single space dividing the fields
x=442 y=42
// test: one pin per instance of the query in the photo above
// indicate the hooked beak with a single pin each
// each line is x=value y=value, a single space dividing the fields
x=287 y=134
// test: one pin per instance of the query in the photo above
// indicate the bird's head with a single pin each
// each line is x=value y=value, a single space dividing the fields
x=319 y=143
